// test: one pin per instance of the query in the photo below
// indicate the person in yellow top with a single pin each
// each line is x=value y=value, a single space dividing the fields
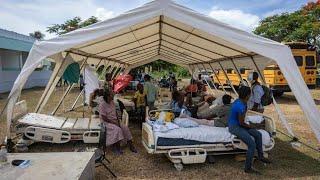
x=139 y=100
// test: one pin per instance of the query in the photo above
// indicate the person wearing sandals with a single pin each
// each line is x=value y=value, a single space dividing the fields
x=115 y=131
x=249 y=135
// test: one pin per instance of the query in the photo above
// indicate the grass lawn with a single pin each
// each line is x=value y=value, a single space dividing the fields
x=288 y=162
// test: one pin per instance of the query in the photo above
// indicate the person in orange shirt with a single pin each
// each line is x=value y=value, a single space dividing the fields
x=192 y=88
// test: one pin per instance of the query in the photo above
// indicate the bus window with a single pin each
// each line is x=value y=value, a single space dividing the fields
x=242 y=70
x=229 y=71
x=310 y=61
x=299 y=60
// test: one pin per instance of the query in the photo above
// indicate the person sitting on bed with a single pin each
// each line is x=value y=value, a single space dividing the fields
x=182 y=111
x=222 y=111
x=250 y=136
x=115 y=131
x=204 y=107
x=177 y=104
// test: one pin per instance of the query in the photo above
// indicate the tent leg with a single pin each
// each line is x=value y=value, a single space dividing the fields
x=54 y=77
x=229 y=82
x=238 y=73
x=70 y=87
x=207 y=81
x=215 y=74
x=75 y=102
x=280 y=113
x=53 y=81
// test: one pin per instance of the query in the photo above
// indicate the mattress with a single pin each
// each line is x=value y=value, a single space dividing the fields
x=207 y=134
x=179 y=142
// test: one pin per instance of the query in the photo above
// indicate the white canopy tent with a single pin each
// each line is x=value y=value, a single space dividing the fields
x=168 y=31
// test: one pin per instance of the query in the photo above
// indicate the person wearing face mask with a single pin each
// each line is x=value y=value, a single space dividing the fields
x=254 y=102
x=248 y=134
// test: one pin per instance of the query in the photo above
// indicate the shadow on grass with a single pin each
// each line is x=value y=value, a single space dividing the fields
x=287 y=163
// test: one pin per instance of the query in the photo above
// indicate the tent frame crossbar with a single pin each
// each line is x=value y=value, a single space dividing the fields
x=164 y=49
x=229 y=82
x=185 y=55
x=127 y=50
x=122 y=45
x=238 y=72
x=149 y=49
x=205 y=69
x=213 y=52
x=170 y=57
x=238 y=51
x=160 y=32
x=125 y=33
x=215 y=74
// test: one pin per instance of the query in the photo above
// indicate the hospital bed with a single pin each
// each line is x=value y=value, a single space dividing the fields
x=182 y=146
x=52 y=129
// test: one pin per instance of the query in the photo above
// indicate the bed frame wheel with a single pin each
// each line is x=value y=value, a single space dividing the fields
x=178 y=166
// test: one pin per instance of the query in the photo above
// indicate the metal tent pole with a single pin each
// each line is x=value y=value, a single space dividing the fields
x=205 y=69
x=47 y=89
x=238 y=73
x=215 y=74
x=229 y=82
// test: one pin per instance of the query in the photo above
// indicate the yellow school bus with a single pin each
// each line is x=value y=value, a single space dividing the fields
x=306 y=58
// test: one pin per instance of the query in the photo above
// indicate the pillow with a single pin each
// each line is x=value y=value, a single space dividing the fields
x=165 y=116
x=185 y=122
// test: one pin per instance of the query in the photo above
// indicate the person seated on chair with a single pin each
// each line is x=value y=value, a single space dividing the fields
x=249 y=135
x=95 y=99
x=115 y=131
x=192 y=88
x=139 y=100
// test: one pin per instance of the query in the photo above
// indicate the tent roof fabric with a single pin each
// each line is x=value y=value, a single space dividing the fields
x=162 y=29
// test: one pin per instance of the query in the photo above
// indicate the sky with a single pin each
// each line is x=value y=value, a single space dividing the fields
x=26 y=16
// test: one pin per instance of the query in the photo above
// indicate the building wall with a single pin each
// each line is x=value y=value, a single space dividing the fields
x=11 y=63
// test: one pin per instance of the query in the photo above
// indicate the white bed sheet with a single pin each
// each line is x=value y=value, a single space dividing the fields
x=202 y=133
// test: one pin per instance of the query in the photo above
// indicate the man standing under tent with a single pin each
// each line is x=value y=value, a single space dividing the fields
x=257 y=92
x=151 y=92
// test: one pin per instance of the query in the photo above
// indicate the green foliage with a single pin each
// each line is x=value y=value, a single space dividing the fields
x=302 y=25
x=37 y=35
x=162 y=68
x=71 y=24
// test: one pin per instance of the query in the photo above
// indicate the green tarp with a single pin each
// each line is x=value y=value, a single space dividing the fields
x=72 y=73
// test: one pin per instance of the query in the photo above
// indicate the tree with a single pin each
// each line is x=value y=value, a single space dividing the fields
x=71 y=24
x=301 y=25
x=37 y=35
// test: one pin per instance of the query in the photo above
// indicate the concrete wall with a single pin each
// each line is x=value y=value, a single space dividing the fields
x=7 y=77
